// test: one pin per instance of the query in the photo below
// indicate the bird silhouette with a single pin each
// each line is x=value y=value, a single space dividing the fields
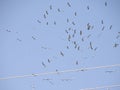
x=43 y=64
x=38 y=21
x=68 y=4
x=105 y=3
x=110 y=27
x=61 y=53
x=47 y=12
x=50 y=7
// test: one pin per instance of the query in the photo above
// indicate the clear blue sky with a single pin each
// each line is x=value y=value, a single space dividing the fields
x=26 y=41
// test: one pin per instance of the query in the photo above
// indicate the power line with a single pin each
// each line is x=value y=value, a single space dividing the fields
x=102 y=87
x=59 y=72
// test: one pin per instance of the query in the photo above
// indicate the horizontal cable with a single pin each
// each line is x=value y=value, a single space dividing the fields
x=101 y=87
x=59 y=72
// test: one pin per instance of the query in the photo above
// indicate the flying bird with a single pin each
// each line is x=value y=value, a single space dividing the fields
x=61 y=53
x=44 y=16
x=110 y=27
x=46 y=23
x=8 y=30
x=73 y=23
x=105 y=3
x=38 y=21
x=50 y=7
x=75 y=14
x=47 y=12
x=80 y=32
x=91 y=45
x=67 y=47
x=76 y=62
x=102 y=22
x=19 y=39
x=54 y=22
x=49 y=61
x=103 y=28
x=115 y=45
x=68 y=4
x=43 y=64
x=33 y=38
x=67 y=20
x=88 y=7
x=58 y=10
x=88 y=26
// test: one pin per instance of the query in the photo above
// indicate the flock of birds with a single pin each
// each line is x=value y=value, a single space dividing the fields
x=72 y=34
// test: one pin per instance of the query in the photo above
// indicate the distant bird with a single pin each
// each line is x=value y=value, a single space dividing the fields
x=91 y=45
x=43 y=64
x=44 y=16
x=50 y=7
x=88 y=26
x=116 y=45
x=68 y=4
x=74 y=42
x=75 y=46
x=118 y=32
x=61 y=53
x=58 y=10
x=54 y=22
x=88 y=35
x=33 y=38
x=34 y=74
x=80 y=32
x=19 y=39
x=82 y=39
x=73 y=35
x=66 y=31
x=69 y=29
x=67 y=47
x=78 y=48
x=75 y=14
x=38 y=21
x=95 y=48
x=105 y=3
x=49 y=61
x=103 y=28
x=110 y=27
x=67 y=20
x=76 y=62
x=69 y=37
x=109 y=71
x=102 y=22
x=75 y=31
x=46 y=23
x=88 y=7
x=8 y=30
x=47 y=12
x=73 y=23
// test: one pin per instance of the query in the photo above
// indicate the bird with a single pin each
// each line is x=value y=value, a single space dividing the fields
x=33 y=38
x=66 y=31
x=91 y=45
x=82 y=39
x=69 y=37
x=61 y=53
x=54 y=22
x=44 y=16
x=49 y=61
x=8 y=30
x=58 y=10
x=88 y=35
x=67 y=47
x=50 y=7
x=19 y=39
x=43 y=64
x=95 y=48
x=105 y=3
x=46 y=23
x=38 y=21
x=76 y=62
x=68 y=4
x=102 y=22
x=80 y=32
x=78 y=48
x=88 y=7
x=75 y=14
x=88 y=26
x=115 y=45
x=47 y=12
x=110 y=27
x=34 y=74
x=73 y=23
x=103 y=28
x=67 y=20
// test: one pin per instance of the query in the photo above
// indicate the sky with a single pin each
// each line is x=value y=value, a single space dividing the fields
x=47 y=35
